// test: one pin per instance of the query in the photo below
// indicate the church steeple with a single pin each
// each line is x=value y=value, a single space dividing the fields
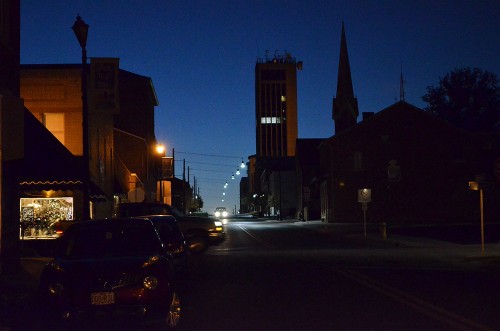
x=345 y=105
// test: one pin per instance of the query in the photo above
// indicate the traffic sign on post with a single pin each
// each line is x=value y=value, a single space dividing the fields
x=364 y=195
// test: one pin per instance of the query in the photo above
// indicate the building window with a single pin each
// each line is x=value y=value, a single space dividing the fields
x=54 y=122
x=270 y=120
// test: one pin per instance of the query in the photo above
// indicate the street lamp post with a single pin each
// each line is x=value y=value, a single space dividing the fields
x=161 y=152
x=81 y=29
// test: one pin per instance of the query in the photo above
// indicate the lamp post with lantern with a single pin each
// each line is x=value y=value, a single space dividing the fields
x=81 y=29
x=160 y=152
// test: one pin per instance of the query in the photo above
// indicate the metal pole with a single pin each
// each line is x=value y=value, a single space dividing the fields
x=482 y=219
x=364 y=219
x=1 y=184
x=85 y=125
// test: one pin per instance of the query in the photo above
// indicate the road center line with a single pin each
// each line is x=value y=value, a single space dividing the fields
x=256 y=238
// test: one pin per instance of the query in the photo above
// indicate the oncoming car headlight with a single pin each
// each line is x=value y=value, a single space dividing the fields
x=224 y=214
x=217 y=213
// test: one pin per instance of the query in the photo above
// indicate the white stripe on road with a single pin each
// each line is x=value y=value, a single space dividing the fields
x=256 y=238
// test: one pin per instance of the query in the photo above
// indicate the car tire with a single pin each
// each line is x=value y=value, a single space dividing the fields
x=197 y=244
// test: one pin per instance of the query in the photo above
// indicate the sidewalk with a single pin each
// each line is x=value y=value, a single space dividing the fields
x=465 y=254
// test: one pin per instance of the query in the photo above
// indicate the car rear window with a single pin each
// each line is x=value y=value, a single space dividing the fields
x=168 y=231
x=123 y=239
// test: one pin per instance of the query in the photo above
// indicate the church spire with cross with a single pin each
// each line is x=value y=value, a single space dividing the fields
x=345 y=105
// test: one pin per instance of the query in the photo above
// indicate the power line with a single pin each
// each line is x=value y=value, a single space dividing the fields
x=214 y=180
x=214 y=155
x=224 y=171
x=214 y=164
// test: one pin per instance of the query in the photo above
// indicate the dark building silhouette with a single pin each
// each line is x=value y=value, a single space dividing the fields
x=417 y=166
x=307 y=164
x=345 y=105
x=11 y=131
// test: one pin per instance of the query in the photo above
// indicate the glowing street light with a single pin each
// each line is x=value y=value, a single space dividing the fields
x=160 y=149
x=242 y=164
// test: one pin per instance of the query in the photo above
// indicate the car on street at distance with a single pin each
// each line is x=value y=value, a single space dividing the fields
x=200 y=232
x=109 y=270
x=221 y=212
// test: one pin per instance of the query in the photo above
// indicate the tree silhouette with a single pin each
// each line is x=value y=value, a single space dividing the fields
x=468 y=98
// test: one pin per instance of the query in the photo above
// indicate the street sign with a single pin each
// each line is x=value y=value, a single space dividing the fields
x=473 y=186
x=364 y=195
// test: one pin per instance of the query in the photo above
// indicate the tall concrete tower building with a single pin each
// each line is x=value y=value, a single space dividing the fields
x=276 y=105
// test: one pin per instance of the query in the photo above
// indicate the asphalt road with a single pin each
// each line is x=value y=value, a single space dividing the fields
x=284 y=276
x=307 y=276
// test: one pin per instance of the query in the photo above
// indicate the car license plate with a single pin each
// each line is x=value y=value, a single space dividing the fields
x=102 y=298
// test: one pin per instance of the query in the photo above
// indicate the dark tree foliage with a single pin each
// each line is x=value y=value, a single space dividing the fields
x=468 y=98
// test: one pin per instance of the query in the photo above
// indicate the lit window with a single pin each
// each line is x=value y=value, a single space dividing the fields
x=39 y=216
x=54 y=122
x=283 y=98
x=270 y=120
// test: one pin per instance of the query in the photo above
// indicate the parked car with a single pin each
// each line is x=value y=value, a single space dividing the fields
x=109 y=270
x=199 y=232
x=172 y=238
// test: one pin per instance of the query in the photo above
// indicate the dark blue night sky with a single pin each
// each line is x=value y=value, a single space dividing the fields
x=201 y=57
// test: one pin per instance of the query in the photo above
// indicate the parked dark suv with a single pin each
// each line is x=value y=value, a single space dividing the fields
x=109 y=270
x=199 y=232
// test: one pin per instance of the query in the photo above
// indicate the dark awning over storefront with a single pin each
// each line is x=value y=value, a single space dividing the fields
x=47 y=163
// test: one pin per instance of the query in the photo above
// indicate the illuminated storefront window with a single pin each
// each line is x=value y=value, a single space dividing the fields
x=39 y=215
